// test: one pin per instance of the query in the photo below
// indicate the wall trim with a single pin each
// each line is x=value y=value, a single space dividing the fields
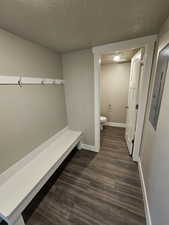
x=121 y=45
x=148 y=43
x=88 y=147
x=113 y=124
x=145 y=199
x=21 y=163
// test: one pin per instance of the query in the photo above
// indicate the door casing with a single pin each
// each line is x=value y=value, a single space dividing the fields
x=148 y=44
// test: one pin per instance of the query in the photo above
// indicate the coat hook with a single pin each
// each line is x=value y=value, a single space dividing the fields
x=20 y=82
x=42 y=82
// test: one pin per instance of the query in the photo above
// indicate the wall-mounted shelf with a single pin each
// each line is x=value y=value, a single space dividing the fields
x=19 y=80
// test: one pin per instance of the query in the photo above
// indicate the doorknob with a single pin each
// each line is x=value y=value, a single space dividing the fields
x=126 y=107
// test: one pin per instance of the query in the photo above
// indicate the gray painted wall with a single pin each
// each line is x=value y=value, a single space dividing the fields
x=114 y=91
x=78 y=73
x=31 y=114
x=155 y=151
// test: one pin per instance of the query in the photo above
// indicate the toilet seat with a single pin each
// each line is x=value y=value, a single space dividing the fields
x=103 y=119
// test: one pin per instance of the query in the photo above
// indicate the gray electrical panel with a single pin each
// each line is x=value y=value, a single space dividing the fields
x=162 y=66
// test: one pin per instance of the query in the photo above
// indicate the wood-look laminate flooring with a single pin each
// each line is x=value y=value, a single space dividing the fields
x=92 y=188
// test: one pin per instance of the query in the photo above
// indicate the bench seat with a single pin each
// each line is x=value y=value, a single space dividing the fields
x=17 y=192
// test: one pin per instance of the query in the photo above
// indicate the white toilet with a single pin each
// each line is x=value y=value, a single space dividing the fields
x=103 y=120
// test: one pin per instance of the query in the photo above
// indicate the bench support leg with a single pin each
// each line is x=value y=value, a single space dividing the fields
x=79 y=146
x=19 y=221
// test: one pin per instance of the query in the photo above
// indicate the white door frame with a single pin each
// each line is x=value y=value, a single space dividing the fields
x=148 y=44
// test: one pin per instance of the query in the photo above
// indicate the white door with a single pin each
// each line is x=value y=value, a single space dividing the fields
x=133 y=100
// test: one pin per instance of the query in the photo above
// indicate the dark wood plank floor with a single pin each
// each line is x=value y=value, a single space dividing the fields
x=92 y=189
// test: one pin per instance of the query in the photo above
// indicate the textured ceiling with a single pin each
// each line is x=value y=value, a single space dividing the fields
x=65 y=25
x=125 y=56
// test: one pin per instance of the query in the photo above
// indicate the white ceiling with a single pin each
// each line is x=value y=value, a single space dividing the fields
x=125 y=56
x=65 y=25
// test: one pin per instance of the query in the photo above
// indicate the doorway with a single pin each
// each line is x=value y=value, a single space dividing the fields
x=148 y=44
x=119 y=88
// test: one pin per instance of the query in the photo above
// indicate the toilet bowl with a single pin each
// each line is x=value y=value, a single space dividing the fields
x=103 y=120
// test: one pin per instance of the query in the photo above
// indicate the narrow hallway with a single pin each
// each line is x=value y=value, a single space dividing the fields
x=92 y=189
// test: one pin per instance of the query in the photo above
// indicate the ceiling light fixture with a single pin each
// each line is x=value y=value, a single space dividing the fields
x=116 y=58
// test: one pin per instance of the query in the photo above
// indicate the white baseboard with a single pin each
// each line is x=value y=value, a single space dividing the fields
x=88 y=147
x=146 y=205
x=112 y=124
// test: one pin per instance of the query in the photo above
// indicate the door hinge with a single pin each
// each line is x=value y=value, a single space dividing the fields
x=141 y=62
x=132 y=146
x=137 y=107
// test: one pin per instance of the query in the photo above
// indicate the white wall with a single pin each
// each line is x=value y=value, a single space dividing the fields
x=78 y=74
x=155 y=151
x=114 y=91
x=33 y=113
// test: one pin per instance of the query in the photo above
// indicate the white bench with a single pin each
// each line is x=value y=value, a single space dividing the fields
x=17 y=191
